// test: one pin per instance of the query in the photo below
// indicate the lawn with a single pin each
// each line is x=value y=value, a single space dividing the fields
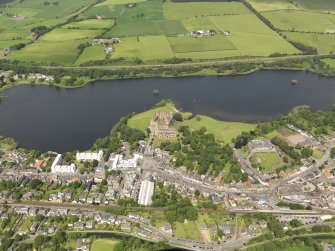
x=324 y=43
x=295 y=20
x=95 y=52
x=317 y=154
x=268 y=161
x=224 y=131
x=147 y=48
x=103 y=244
x=142 y=120
x=187 y=230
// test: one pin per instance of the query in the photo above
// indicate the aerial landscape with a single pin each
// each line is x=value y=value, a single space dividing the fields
x=153 y=125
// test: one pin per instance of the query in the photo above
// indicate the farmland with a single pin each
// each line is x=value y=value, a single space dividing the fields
x=149 y=31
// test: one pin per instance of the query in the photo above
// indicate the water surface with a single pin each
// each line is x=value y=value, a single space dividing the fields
x=48 y=118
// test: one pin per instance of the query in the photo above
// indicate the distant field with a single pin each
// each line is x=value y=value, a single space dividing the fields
x=166 y=27
x=175 y=11
x=91 y=24
x=299 y=249
x=266 y=5
x=146 y=48
x=295 y=20
x=61 y=52
x=223 y=131
x=324 y=43
x=96 y=52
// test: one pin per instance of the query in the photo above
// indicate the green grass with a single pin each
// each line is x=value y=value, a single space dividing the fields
x=268 y=161
x=62 y=52
x=96 y=52
x=224 y=131
x=114 y=2
x=142 y=120
x=166 y=27
x=178 y=11
x=324 y=43
x=317 y=154
x=113 y=11
x=191 y=44
x=147 y=48
x=329 y=61
x=103 y=244
x=187 y=230
x=92 y=24
x=299 y=249
x=267 y=5
x=68 y=35
x=295 y=20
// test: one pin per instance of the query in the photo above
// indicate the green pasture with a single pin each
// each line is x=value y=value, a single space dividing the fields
x=316 y=5
x=295 y=20
x=113 y=11
x=224 y=131
x=299 y=249
x=60 y=52
x=145 y=11
x=114 y=2
x=146 y=48
x=178 y=11
x=267 y=5
x=95 y=52
x=191 y=44
x=165 y=27
x=60 y=34
x=91 y=24
x=268 y=161
x=324 y=43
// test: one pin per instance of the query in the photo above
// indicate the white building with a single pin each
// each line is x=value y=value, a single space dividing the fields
x=90 y=156
x=57 y=167
x=119 y=162
x=146 y=191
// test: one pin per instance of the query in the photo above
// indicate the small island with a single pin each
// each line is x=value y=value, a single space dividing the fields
x=294 y=82
x=155 y=92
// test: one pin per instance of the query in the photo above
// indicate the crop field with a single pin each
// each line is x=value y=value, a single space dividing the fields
x=267 y=5
x=150 y=30
x=324 y=43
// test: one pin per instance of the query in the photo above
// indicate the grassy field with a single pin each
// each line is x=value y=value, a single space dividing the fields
x=95 y=52
x=91 y=24
x=324 y=43
x=187 y=230
x=152 y=31
x=267 y=161
x=223 y=131
x=146 y=48
x=267 y=5
x=103 y=244
x=329 y=61
x=296 y=20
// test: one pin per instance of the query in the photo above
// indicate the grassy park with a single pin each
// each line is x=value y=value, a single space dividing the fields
x=267 y=162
